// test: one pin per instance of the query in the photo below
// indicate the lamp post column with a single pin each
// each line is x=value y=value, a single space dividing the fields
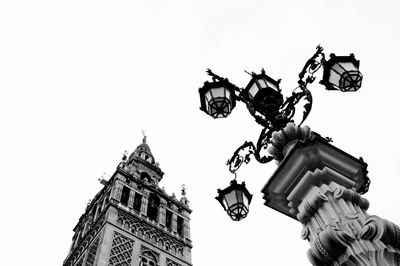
x=320 y=185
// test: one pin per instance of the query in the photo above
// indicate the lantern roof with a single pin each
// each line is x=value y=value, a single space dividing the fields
x=262 y=75
x=343 y=58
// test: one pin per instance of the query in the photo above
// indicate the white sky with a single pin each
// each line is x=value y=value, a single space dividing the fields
x=80 y=79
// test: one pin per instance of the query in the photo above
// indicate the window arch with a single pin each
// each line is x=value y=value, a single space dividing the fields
x=152 y=208
x=147 y=258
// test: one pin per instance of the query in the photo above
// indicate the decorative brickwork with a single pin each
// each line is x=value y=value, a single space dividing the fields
x=121 y=251
x=83 y=245
x=172 y=263
x=145 y=231
x=92 y=252
x=80 y=262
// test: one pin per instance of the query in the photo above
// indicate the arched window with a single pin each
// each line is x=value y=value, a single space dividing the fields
x=125 y=195
x=146 y=177
x=137 y=202
x=180 y=225
x=152 y=208
x=148 y=259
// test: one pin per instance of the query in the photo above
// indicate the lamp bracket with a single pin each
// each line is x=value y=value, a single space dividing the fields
x=276 y=120
x=312 y=65
x=277 y=114
x=242 y=154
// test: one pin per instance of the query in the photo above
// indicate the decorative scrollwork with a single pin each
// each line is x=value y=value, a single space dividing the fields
x=365 y=187
x=242 y=154
x=312 y=65
x=214 y=77
x=275 y=116
x=289 y=106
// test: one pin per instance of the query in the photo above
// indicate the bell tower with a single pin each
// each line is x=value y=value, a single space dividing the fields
x=131 y=221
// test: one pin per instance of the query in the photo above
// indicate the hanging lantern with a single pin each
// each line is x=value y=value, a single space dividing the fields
x=341 y=73
x=217 y=98
x=235 y=200
x=264 y=93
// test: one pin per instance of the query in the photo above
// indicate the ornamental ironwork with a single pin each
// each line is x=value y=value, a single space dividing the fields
x=265 y=102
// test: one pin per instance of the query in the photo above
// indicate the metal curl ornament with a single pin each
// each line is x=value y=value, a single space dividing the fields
x=248 y=148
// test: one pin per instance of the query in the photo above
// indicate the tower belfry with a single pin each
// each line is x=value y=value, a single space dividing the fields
x=132 y=221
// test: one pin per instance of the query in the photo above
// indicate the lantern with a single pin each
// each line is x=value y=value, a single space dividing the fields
x=341 y=73
x=235 y=200
x=264 y=93
x=217 y=98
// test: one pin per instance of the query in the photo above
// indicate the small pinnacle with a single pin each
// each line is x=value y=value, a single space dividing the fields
x=183 y=191
x=124 y=155
x=144 y=136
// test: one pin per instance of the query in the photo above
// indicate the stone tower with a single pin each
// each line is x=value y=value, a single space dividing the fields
x=132 y=221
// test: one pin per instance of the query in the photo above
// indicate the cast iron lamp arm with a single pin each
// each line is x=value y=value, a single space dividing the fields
x=285 y=115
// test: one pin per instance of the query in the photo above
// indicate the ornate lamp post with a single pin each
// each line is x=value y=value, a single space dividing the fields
x=315 y=183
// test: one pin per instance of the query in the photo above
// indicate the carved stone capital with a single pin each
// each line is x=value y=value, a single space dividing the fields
x=381 y=229
x=329 y=246
x=341 y=192
x=311 y=207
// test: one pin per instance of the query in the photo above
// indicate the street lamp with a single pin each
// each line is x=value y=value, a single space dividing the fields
x=342 y=73
x=316 y=183
x=217 y=98
x=235 y=200
x=265 y=101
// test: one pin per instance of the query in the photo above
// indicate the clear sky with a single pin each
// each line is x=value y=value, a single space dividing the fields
x=80 y=79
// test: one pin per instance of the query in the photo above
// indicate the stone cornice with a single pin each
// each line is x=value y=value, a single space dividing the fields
x=308 y=164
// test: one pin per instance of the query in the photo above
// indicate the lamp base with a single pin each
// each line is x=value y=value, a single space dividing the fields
x=320 y=186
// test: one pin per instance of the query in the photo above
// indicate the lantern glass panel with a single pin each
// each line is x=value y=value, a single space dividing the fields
x=348 y=66
x=225 y=204
x=208 y=96
x=239 y=196
x=231 y=198
x=245 y=201
x=263 y=83
x=272 y=85
x=228 y=94
x=218 y=92
x=253 y=90
x=334 y=78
